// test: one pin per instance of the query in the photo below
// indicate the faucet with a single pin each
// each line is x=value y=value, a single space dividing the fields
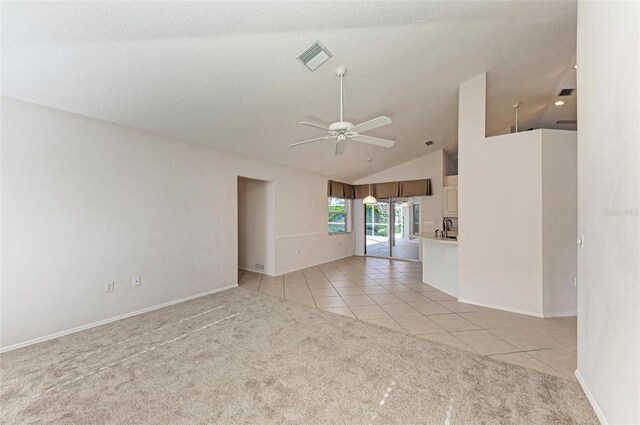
x=447 y=224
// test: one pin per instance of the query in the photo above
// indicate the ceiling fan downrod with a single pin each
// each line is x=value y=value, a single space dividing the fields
x=340 y=72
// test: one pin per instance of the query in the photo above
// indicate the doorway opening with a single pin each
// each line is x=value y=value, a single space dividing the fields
x=388 y=226
x=256 y=225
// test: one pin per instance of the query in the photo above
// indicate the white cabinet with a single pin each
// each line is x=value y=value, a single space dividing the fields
x=440 y=265
x=450 y=201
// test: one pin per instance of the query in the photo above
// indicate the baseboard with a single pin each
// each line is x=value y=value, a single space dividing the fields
x=562 y=314
x=250 y=269
x=315 y=264
x=592 y=400
x=111 y=319
x=512 y=310
x=516 y=310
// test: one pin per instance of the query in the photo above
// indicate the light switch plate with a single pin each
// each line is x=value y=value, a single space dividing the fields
x=136 y=281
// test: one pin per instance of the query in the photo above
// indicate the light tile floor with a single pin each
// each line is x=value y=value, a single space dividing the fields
x=390 y=293
x=404 y=248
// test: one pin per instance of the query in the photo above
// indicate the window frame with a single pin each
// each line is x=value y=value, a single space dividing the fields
x=347 y=216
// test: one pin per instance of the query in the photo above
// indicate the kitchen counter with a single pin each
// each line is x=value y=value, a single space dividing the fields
x=431 y=237
x=439 y=262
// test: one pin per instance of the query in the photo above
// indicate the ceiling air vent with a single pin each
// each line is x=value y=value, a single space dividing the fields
x=314 y=56
x=566 y=92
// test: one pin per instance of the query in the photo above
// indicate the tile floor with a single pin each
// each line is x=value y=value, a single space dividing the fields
x=390 y=293
x=404 y=248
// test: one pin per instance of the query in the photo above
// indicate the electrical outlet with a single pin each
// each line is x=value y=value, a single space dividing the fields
x=136 y=281
x=109 y=286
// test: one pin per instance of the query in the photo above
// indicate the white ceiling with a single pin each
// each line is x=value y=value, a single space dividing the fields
x=226 y=74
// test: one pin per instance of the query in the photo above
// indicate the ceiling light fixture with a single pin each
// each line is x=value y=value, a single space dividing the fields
x=559 y=103
x=369 y=199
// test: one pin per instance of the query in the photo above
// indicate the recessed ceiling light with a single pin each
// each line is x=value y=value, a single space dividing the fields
x=575 y=66
x=559 y=103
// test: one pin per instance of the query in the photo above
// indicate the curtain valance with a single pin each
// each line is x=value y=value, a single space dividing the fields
x=399 y=189
x=340 y=190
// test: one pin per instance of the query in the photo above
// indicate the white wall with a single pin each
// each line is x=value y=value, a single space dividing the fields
x=608 y=205
x=501 y=192
x=429 y=166
x=256 y=225
x=559 y=222
x=85 y=201
x=500 y=254
x=450 y=164
x=357 y=219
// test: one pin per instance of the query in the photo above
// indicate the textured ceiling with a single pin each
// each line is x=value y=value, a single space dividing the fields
x=225 y=73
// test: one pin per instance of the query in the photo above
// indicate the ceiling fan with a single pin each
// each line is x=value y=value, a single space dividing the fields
x=342 y=130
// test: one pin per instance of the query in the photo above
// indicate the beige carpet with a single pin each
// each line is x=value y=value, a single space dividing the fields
x=240 y=357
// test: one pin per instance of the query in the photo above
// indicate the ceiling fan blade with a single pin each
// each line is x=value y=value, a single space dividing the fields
x=310 y=124
x=371 y=124
x=309 y=141
x=374 y=140
x=340 y=146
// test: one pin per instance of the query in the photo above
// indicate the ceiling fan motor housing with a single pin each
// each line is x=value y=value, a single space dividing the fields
x=340 y=126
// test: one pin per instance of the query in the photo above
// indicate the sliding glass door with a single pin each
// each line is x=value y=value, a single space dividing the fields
x=402 y=246
x=388 y=225
x=376 y=228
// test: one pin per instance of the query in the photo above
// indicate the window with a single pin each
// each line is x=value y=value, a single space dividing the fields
x=415 y=227
x=338 y=210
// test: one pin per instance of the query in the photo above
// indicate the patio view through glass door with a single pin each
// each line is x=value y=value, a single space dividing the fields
x=376 y=230
x=404 y=214
x=388 y=225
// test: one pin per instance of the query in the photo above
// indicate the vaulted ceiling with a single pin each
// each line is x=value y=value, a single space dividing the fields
x=225 y=73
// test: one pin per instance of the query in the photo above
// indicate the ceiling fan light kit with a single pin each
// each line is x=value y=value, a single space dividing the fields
x=342 y=130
